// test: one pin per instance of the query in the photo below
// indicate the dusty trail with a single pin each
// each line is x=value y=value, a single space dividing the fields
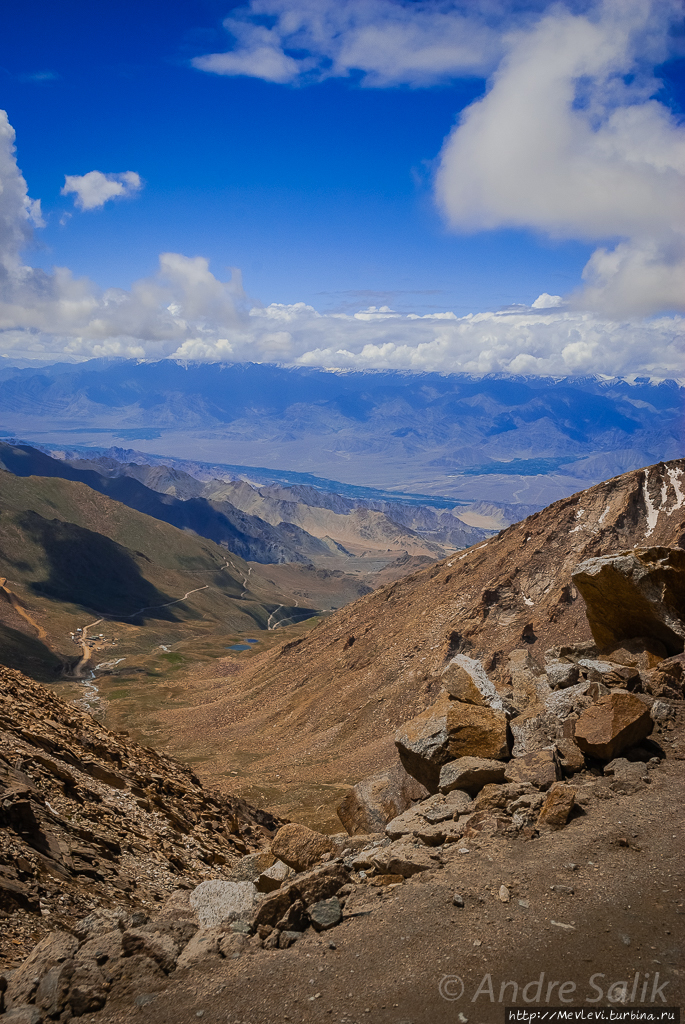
x=20 y=610
x=157 y=607
x=87 y=650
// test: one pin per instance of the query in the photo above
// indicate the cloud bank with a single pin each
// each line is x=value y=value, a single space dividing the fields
x=568 y=140
x=94 y=189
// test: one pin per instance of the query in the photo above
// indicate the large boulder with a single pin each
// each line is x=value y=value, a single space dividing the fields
x=466 y=680
x=299 y=847
x=218 y=901
x=375 y=801
x=635 y=594
x=477 y=732
x=423 y=743
x=617 y=721
x=470 y=774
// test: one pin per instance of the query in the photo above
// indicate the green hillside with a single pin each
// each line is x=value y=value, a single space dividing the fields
x=70 y=555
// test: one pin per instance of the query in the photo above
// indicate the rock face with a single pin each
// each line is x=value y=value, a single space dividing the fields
x=635 y=593
x=616 y=722
x=299 y=847
x=375 y=801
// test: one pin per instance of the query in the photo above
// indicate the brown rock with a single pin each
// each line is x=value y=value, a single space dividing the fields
x=423 y=743
x=477 y=732
x=613 y=724
x=319 y=884
x=403 y=858
x=160 y=948
x=571 y=756
x=54 y=949
x=557 y=807
x=251 y=867
x=299 y=847
x=375 y=801
x=470 y=774
x=88 y=989
x=635 y=593
x=496 y=797
x=466 y=680
x=540 y=768
x=203 y=946
x=273 y=878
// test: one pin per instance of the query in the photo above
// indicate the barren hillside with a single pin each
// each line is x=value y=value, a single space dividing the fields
x=304 y=720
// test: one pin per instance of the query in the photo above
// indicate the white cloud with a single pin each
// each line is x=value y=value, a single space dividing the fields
x=547 y=301
x=94 y=189
x=568 y=141
x=185 y=312
x=390 y=41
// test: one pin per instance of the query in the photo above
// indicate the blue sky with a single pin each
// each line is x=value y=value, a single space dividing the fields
x=308 y=144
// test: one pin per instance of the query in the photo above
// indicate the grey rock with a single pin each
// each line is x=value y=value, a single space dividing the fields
x=561 y=674
x=286 y=939
x=458 y=901
x=325 y=914
x=218 y=901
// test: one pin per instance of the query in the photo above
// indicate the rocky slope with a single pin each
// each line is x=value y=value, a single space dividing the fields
x=536 y=800
x=91 y=820
x=327 y=706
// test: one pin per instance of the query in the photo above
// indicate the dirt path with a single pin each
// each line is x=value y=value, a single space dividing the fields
x=87 y=654
x=21 y=610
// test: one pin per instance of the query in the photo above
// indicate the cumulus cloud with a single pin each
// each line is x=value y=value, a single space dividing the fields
x=568 y=140
x=185 y=312
x=94 y=189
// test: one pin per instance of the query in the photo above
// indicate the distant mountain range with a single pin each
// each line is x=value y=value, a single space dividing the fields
x=527 y=440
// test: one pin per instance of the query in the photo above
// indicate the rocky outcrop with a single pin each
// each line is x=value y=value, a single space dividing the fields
x=633 y=594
